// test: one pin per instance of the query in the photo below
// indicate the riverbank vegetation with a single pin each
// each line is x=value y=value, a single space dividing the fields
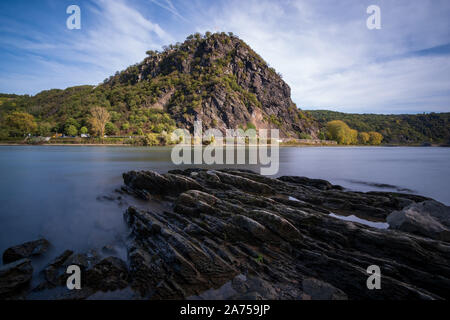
x=340 y=132
x=209 y=78
x=428 y=128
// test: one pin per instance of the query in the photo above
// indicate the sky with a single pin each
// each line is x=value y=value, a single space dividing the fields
x=322 y=48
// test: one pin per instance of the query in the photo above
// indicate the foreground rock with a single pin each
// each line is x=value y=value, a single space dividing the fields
x=25 y=250
x=15 y=278
x=108 y=274
x=276 y=233
x=232 y=234
x=429 y=219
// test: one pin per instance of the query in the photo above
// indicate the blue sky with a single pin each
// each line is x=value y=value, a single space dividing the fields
x=322 y=48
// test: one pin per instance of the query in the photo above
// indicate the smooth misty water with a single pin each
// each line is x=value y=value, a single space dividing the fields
x=54 y=191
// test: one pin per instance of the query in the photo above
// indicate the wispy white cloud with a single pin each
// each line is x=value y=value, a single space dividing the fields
x=168 y=5
x=322 y=48
x=119 y=36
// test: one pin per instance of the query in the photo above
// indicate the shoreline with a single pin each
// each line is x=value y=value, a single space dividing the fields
x=2 y=144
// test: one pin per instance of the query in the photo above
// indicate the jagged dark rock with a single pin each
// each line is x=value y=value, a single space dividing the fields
x=15 y=278
x=25 y=250
x=108 y=275
x=284 y=239
x=234 y=234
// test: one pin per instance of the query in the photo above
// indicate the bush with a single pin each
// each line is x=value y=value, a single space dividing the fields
x=84 y=130
x=150 y=140
x=251 y=126
x=304 y=135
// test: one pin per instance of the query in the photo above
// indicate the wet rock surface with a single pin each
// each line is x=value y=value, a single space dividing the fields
x=234 y=234
x=429 y=219
x=25 y=250
x=15 y=278
x=279 y=232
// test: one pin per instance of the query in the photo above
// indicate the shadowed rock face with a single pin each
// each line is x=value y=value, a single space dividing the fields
x=293 y=249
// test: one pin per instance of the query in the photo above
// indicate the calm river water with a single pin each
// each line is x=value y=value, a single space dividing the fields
x=56 y=192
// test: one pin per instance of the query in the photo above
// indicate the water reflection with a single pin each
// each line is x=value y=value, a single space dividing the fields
x=352 y=218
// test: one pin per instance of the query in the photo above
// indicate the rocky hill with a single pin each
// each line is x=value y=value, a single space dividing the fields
x=220 y=80
x=216 y=78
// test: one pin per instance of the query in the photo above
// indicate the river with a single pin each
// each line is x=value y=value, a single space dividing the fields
x=56 y=191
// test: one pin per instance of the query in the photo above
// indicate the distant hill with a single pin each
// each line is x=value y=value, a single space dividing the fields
x=396 y=129
x=216 y=78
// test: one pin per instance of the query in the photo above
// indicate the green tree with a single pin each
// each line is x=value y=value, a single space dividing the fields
x=139 y=132
x=322 y=135
x=71 y=130
x=20 y=123
x=71 y=122
x=44 y=129
x=115 y=116
x=125 y=126
x=84 y=130
x=110 y=129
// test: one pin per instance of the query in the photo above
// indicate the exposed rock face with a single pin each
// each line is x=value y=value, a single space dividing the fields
x=291 y=248
x=15 y=278
x=220 y=80
x=25 y=250
x=429 y=218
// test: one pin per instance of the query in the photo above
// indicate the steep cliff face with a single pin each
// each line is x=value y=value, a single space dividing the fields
x=220 y=80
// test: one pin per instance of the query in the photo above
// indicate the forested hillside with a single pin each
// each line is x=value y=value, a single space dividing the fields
x=396 y=129
x=216 y=78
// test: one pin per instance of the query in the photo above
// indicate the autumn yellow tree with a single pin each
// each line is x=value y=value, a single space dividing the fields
x=99 y=118
x=375 y=138
x=363 y=138
x=340 y=132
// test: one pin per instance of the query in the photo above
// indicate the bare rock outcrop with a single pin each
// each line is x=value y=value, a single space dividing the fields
x=284 y=240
